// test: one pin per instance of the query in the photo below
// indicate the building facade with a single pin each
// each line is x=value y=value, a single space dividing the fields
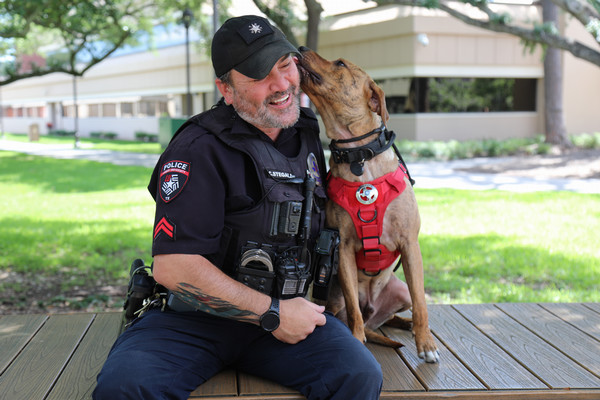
x=426 y=62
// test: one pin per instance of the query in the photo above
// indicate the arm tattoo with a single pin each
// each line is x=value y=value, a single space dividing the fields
x=212 y=305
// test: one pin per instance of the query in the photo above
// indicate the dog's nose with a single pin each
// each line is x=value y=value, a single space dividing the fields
x=303 y=49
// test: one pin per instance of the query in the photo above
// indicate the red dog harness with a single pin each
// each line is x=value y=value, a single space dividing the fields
x=366 y=203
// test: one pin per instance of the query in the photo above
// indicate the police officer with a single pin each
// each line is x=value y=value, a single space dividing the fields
x=228 y=189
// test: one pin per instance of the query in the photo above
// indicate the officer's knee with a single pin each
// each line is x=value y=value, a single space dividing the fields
x=106 y=388
x=116 y=383
x=362 y=378
x=369 y=371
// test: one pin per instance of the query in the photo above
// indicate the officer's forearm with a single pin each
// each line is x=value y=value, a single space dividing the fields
x=203 y=286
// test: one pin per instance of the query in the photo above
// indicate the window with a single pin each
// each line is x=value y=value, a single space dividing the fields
x=445 y=95
x=163 y=108
x=93 y=110
x=126 y=109
x=109 y=110
x=69 y=111
x=146 y=108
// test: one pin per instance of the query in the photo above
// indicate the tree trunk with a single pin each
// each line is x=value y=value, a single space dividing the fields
x=314 y=10
x=556 y=132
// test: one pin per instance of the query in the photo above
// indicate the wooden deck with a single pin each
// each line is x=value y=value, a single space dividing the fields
x=488 y=351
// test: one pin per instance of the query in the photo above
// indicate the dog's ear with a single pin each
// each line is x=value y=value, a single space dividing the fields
x=377 y=102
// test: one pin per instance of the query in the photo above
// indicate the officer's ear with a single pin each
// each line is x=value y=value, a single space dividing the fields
x=226 y=90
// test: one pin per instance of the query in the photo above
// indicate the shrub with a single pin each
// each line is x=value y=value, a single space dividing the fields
x=61 y=132
x=146 y=137
x=103 y=135
x=453 y=149
x=586 y=140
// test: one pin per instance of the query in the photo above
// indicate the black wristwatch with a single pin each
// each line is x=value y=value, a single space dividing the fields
x=269 y=321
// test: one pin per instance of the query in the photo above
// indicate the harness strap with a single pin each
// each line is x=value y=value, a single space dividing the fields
x=368 y=218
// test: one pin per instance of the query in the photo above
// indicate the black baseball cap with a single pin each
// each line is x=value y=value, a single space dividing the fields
x=250 y=45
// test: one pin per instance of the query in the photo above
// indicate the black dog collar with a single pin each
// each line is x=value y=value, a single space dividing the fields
x=356 y=156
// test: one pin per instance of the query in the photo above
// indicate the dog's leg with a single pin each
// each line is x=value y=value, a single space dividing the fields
x=412 y=264
x=400 y=322
x=390 y=295
x=348 y=280
x=375 y=337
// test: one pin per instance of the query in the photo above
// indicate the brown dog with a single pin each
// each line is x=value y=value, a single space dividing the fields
x=354 y=113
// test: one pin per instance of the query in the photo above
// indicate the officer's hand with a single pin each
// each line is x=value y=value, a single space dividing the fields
x=298 y=319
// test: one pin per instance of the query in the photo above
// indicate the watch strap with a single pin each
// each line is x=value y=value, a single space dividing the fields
x=269 y=321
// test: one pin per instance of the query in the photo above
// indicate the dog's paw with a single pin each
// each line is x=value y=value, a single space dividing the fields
x=430 y=356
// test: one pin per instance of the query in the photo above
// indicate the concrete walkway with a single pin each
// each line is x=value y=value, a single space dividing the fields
x=447 y=175
x=67 y=151
x=429 y=174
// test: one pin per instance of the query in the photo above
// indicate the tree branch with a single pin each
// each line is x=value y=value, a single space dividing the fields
x=533 y=35
x=280 y=18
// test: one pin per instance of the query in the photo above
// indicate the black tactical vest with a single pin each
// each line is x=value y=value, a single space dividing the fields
x=268 y=223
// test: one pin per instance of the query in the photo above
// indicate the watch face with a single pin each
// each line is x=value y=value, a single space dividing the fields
x=269 y=321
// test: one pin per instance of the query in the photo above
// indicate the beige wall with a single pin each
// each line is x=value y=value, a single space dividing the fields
x=581 y=86
x=390 y=47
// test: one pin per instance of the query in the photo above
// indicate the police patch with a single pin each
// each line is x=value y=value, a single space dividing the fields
x=173 y=177
x=313 y=168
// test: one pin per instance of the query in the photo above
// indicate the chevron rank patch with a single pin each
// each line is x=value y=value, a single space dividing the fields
x=166 y=227
x=173 y=177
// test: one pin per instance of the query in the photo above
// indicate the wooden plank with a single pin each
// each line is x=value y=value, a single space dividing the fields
x=566 y=338
x=220 y=385
x=593 y=306
x=250 y=385
x=37 y=367
x=79 y=377
x=498 y=395
x=448 y=374
x=545 y=362
x=492 y=365
x=577 y=315
x=15 y=332
x=397 y=377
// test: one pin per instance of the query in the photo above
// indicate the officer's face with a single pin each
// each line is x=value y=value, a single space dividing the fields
x=271 y=103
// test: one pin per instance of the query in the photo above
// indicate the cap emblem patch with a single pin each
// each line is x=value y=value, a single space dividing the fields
x=255 y=28
x=254 y=31
x=173 y=177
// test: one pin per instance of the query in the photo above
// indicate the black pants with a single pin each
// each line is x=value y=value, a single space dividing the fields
x=166 y=355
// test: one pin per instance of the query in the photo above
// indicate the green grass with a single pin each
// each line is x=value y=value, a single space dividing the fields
x=86 y=221
x=495 y=246
x=82 y=219
x=94 y=143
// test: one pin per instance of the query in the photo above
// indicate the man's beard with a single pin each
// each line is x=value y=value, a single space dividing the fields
x=263 y=116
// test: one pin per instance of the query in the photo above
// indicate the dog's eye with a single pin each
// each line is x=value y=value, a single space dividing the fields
x=340 y=63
